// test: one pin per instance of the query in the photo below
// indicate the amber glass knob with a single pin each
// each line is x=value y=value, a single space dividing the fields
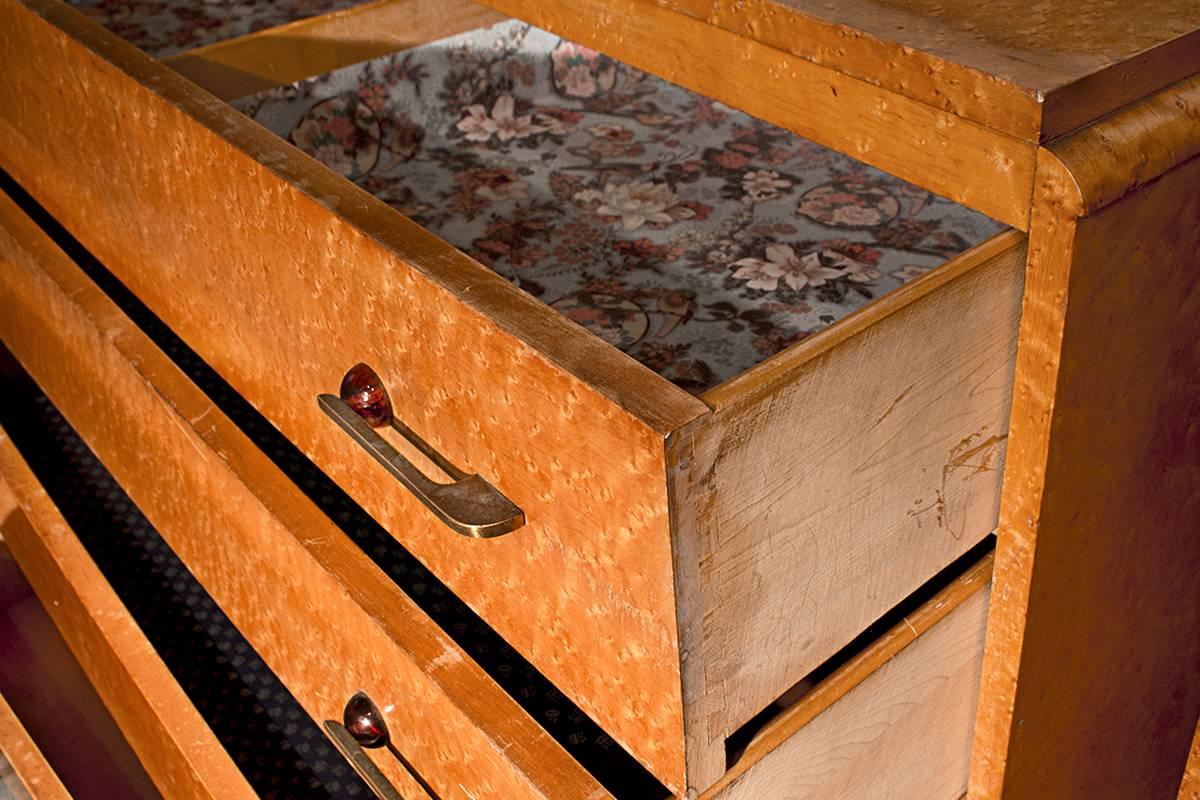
x=364 y=721
x=364 y=392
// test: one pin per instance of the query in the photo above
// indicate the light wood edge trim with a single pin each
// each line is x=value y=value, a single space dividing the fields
x=640 y=392
x=175 y=745
x=238 y=67
x=786 y=365
x=856 y=670
x=962 y=90
x=969 y=163
x=27 y=761
x=1129 y=149
x=522 y=745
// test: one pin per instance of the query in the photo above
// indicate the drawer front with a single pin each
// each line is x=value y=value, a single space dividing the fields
x=283 y=276
x=325 y=619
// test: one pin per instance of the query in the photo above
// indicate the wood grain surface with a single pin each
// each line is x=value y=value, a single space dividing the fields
x=836 y=482
x=282 y=275
x=170 y=738
x=1190 y=788
x=1035 y=69
x=324 y=618
x=35 y=774
x=233 y=68
x=902 y=732
x=1092 y=671
x=965 y=161
x=861 y=667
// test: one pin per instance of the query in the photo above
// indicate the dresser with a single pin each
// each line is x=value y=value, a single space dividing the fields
x=627 y=398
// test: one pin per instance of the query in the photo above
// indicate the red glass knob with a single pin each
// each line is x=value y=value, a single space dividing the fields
x=364 y=392
x=364 y=721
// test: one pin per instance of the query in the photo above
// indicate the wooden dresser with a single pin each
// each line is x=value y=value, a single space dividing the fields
x=617 y=402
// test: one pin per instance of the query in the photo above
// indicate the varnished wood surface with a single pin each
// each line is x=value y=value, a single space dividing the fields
x=891 y=645
x=282 y=275
x=976 y=166
x=1190 y=788
x=28 y=764
x=1092 y=670
x=1032 y=68
x=837 y=481
x=313 y=605
x=177 y=748
x=234 y=68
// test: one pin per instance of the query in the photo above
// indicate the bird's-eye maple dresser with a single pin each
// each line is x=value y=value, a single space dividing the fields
x=618 y=402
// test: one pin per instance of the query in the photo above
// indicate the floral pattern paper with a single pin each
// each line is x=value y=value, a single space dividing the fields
x=165 y=27
x=695 y=238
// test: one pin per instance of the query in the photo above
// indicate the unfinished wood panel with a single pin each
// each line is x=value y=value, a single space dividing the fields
x=903 y=733
x=171 y=739
x=231 y=252
x=29 y=765
x=1032 y=69
x=238 y=67
x=831 y=490
x=1092 y=670
x=318 y=611
x=859 y=668
x=963 y=160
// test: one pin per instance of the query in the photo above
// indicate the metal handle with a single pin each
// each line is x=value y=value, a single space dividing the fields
x=469 y=505
x=363 y=726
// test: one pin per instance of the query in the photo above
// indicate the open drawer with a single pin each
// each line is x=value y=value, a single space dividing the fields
x=676 y=560
x=316 y=601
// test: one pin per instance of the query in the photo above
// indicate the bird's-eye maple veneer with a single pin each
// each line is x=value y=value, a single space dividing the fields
x=681 y=561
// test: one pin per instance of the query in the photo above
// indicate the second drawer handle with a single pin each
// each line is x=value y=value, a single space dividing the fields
x=468 y=505
x=363 y=726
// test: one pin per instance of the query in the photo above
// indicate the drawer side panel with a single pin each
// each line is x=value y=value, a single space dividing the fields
x=838 y=487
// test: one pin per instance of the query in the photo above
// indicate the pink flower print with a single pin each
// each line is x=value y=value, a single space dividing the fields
x=476 y=124
x=479 y=126
x=758 y=274
x=782 y=262
x=855 y=216
x=763 y=184
x=639 y=202
x=374 y=95
x=508 y=126
x=731 y=160
x=577 y=81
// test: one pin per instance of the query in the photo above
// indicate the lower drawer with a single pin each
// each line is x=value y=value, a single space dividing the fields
x=892 y=718
x=321 y=615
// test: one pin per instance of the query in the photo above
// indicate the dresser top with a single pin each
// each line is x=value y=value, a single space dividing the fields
x=1032 y=68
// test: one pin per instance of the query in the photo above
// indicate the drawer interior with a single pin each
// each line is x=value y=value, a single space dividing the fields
x=693 y=237
x=279 y=749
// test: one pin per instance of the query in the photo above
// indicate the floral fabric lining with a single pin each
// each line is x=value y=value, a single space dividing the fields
x=697 y=239
x=164 y=27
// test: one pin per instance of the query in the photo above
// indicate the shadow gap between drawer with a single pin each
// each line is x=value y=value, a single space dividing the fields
x=581 y=737
x=279 y=749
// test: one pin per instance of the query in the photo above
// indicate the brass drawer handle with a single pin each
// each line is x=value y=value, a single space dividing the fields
x=363 y=726
x=469 y=505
